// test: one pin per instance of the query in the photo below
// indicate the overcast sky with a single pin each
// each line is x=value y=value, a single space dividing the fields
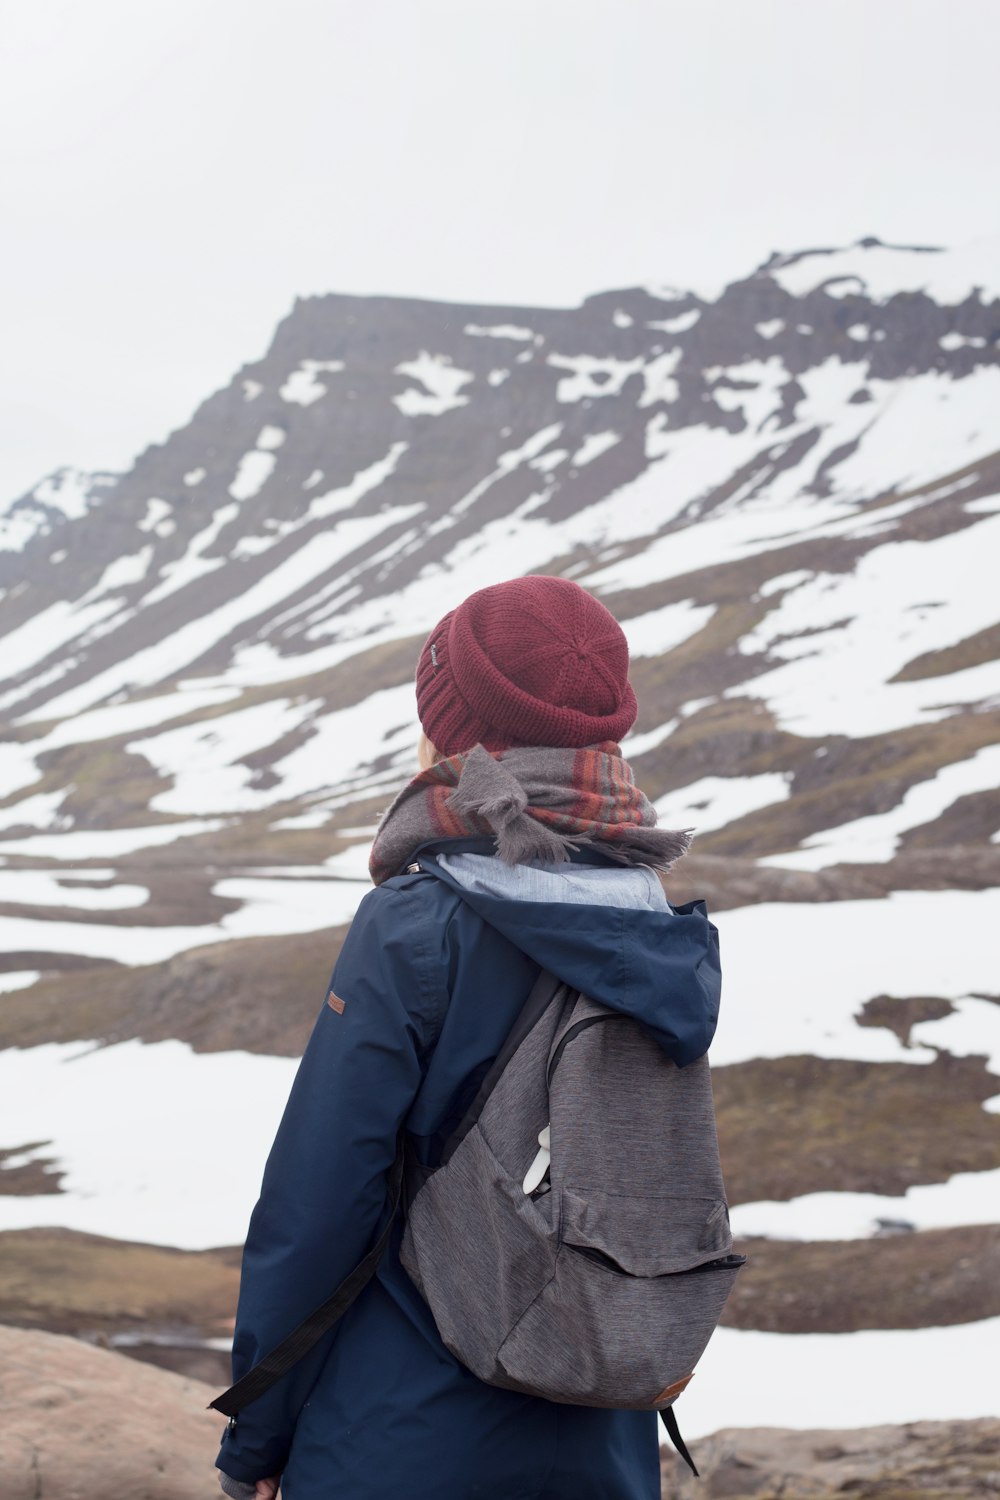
x=174 y=172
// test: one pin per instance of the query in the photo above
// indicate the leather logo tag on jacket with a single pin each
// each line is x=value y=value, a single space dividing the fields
x=335 y=1003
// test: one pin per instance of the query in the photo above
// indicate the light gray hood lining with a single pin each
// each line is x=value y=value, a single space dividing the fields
x=636 y=887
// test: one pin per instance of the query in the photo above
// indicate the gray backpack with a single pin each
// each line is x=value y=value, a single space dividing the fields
x=600 y=1282
x=590 y=1267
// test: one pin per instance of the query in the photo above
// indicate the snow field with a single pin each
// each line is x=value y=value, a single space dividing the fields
x=798 y=974
x=40 y=888
x=841 y=638
x=148 y=1167
x=269 y=907
x=106 y=843
x=835 y=1380
x=178 y=650
x=206 y=759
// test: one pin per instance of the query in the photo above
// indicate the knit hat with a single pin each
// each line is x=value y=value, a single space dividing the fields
x=534 y=661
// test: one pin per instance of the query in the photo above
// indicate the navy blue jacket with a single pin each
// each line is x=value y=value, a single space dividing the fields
x=429 y=982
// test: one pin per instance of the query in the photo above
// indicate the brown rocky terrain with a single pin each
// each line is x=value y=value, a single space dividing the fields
x=84 y=1424
x=921 y=1461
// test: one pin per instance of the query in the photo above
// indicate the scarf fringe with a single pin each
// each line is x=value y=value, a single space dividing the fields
x=487 y=790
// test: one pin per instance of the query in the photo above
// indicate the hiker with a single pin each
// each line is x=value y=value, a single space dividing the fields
x=523 y=845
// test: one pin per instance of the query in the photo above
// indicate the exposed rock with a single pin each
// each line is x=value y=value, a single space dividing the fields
x=918 y=1461
x=921 y=1461
x=84 y=1424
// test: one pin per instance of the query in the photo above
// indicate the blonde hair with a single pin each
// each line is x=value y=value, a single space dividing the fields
x=427 y=753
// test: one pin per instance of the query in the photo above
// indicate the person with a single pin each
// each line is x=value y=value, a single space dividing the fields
x=522 y=843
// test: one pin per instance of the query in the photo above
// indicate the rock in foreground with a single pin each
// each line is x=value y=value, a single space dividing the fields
x=81 y=1423
x=918 y=1461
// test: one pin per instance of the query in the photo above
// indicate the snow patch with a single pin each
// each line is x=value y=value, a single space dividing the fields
x=715 y=801
x=303 y=386
x=660 y=630
x=658 y=376
x=952 y=341
x=42 y=888
x=593 y=446
x=255 y=469
x=100 y=843
x=441 y=380
x=121 y=574
x=499 y=331
x=966 y=1198
x=591 y=376
x=680 y=324
x=18 y=979
x=157 y=511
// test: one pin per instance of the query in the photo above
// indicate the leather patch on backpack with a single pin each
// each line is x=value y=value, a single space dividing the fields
x=671 y=1392
x=335 y=1003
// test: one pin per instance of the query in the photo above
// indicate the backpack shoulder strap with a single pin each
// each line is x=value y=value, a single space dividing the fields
x=541 y=995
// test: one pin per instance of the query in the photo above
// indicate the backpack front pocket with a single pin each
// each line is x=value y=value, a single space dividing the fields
x=577 y=1341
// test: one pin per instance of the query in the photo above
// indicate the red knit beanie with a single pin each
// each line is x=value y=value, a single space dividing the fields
x=534 y=661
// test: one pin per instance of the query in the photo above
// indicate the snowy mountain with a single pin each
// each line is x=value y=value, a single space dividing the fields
x=790 y=496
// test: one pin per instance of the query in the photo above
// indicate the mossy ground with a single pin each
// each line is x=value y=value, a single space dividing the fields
x=794 y=1125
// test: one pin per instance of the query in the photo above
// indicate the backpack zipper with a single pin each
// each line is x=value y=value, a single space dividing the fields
x=568 y=1036
x=720 y=1263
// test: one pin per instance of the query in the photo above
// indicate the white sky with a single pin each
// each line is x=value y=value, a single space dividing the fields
x=174 y=172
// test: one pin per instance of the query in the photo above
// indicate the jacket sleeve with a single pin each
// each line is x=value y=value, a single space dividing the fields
x=324 y=1187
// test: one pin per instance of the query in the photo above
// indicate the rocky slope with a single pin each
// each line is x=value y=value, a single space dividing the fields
x=789 y=496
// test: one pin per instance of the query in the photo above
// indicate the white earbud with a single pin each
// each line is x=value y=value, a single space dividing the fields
x=536 y=1172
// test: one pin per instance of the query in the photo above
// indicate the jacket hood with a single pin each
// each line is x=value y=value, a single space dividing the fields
x=660 y=966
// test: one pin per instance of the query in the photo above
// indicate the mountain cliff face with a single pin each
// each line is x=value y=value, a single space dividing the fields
x=788 y=496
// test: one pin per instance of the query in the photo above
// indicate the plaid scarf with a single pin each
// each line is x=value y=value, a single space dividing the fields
x=536 y=802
